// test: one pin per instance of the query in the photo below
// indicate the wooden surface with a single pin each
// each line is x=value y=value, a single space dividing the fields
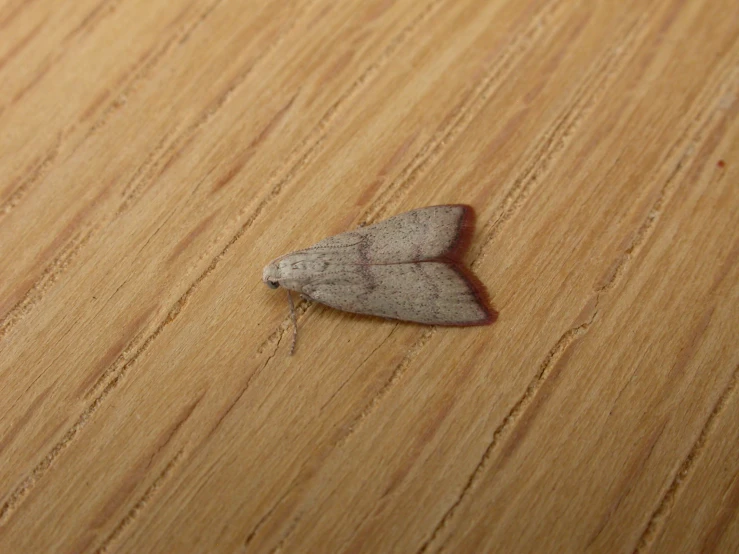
x=156 y=155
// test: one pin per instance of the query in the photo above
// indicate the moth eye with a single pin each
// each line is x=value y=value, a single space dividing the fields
x=273 y=284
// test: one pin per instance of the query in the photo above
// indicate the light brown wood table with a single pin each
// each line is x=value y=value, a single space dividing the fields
x=155 y=155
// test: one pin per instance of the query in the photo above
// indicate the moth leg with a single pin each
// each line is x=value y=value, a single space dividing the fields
x=295 y=322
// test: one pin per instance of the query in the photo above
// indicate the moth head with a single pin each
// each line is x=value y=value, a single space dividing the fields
x=271 y=276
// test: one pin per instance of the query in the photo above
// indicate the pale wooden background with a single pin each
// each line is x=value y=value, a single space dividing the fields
x=154 y=156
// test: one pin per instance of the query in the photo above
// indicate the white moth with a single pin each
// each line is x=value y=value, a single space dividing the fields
x=407 y=267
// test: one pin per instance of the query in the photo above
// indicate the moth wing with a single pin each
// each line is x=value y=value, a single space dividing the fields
x=434 y=293
x=434 y=232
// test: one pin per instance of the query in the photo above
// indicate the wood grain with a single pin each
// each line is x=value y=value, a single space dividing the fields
x=156 y=155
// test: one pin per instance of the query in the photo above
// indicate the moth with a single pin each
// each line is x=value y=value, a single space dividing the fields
x=407 y=267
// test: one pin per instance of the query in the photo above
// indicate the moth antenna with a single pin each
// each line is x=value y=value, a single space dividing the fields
x=295 y=322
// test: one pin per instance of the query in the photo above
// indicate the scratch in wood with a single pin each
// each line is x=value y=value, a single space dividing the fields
x=664 y=507
x=512 y=417
x=141 y=504
x=395 y=376
x=243 y=390
x=359 y=366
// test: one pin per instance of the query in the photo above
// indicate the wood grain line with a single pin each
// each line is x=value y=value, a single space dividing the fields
x=142 y=69
x=31 y=175
x=716 y=115
x=12 y=430
x=266 y=516
x=22 y=43
x=461 y=117
x=642 y=455
x=601 y=132
x=11 y=12
x=43 y=284
x=182 y=141
x=248 y=153
x=49 y=276
x=141 y=504
x=554 y=355
x=240 y=394
x=61 y=50
x=36 y=176
x=103 y=9
x=281 y=543
x=309 y=147
x=662 y=511
x=40 y=470
x=555 y=139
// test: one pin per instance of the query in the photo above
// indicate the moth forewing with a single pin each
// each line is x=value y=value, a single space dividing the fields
x=407 y=267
